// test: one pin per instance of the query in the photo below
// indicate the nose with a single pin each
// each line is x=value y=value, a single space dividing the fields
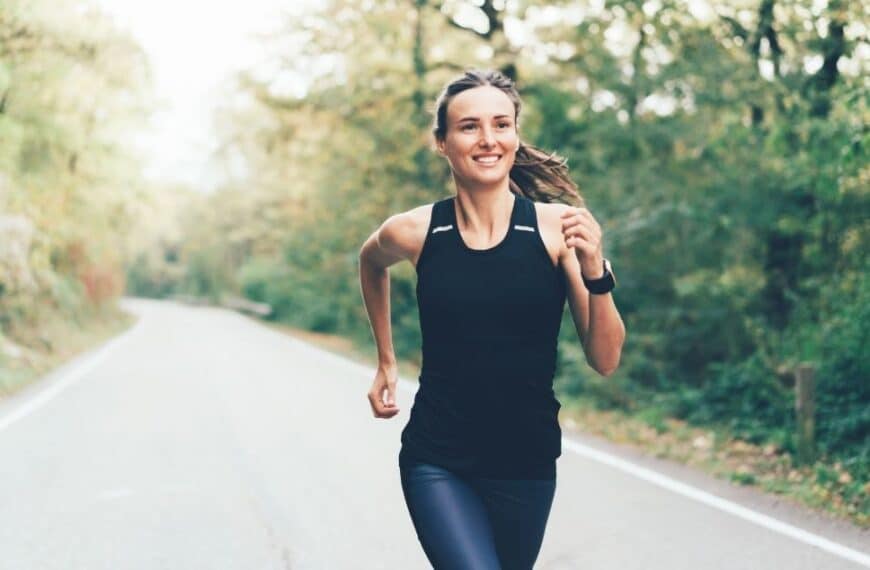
x=487 y=138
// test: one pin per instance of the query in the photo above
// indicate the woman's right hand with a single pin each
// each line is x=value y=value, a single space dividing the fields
x=382 y=395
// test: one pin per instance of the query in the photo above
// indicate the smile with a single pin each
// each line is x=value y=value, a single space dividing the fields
x=487 y=159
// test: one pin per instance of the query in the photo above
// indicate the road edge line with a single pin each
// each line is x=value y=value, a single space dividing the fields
x=45 y=395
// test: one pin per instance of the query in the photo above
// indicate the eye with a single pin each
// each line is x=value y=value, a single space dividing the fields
x=468 y=127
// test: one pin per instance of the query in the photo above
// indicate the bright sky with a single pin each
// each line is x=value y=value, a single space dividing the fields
x=194 y=47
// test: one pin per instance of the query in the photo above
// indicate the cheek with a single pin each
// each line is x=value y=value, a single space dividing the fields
x=456 y=145
x=511 y=139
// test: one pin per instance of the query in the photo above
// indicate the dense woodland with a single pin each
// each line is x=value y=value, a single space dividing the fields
x=71 y=86
x=722 y=145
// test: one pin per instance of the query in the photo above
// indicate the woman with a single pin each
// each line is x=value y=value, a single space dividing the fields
x=494 y=265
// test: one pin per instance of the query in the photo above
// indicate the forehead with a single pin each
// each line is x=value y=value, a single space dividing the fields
x=482 y=102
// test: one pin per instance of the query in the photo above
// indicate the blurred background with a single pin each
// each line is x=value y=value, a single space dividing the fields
x=245 y=152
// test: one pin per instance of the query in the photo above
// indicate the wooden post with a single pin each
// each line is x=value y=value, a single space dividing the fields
x=805 y=409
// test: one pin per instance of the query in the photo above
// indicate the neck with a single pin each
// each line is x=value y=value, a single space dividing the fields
x=484 y=209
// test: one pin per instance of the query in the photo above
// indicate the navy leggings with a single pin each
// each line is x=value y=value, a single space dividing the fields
x=472 y=523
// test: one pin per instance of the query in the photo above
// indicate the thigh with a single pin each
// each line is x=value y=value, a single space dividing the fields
x=518 y=511
x=450 y=519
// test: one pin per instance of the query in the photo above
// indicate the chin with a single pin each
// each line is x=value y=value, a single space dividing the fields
x=487 y=179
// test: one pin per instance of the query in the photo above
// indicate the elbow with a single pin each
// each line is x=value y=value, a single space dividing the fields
x=363 y=250
x=611 y=367
x=606 y=371
x=365 y=253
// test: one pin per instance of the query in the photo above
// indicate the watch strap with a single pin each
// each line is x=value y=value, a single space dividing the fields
x=603 y=284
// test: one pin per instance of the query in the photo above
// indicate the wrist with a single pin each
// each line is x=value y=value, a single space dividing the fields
x=592 y=268
x=601 y=283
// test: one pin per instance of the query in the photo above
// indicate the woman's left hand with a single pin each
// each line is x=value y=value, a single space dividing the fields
x=583 y=234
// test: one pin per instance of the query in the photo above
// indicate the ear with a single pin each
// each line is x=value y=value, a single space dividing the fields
x=439 y=146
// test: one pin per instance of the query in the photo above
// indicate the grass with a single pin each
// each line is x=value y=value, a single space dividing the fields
x=35 y=350
x=824 y=486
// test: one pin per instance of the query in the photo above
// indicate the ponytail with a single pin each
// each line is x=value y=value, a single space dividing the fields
x=543 y=177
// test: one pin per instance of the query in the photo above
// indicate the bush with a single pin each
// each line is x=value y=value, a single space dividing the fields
x=843 y=377
x=748 y=398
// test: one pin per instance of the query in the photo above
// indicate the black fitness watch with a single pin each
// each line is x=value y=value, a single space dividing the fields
x=603 y=284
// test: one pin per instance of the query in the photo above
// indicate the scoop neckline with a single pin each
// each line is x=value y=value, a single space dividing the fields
x=496 y=246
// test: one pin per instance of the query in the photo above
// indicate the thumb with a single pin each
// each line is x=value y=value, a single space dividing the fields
x=391 y=393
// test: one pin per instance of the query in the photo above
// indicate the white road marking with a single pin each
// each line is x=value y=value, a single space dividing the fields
x=367 y=372
x=709 y=499
x=75 y=374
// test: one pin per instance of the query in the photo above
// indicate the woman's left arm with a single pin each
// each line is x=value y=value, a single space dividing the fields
x=598 y=323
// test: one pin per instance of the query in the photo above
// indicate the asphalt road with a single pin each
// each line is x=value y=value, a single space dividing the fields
x=202 y=439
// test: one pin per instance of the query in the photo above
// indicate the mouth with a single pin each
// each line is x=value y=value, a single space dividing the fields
x=487 y=159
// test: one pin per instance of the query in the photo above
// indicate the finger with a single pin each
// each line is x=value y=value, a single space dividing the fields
x=577 y=215
x=572 y=221
x=580 y=230
x=385 y=403
x=581 y=244
x=384 y=411
x=573 y=212
x=381 y=403
x=569 y=220
x=387 y=412
x=587 y=215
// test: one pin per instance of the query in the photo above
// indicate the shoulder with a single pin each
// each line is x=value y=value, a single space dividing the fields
x=551 y=214
x=405 y=232
x=550 y=227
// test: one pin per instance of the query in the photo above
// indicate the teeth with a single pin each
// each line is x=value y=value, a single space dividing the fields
x=487 y=159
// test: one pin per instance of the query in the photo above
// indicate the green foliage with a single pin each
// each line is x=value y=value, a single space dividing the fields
x=730 y=182
x=747 y=397
x=843 y=377
x=69 y=82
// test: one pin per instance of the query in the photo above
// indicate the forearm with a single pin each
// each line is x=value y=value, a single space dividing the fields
x=605 y=335
x=375 y=286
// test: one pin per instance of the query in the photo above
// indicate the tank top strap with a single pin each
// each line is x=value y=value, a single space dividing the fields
x=443 y=216
x=526 y=224
x=525 y=218
x=442 y=226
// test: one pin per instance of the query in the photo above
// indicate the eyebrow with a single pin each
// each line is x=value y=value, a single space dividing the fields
x=478 y=118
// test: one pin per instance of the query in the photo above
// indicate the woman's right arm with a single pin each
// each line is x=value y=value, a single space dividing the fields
x=396 y=239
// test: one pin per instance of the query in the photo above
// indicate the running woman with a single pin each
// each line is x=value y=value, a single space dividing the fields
x=495 y=263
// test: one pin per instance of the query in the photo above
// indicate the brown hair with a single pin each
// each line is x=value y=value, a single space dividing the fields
x=538 y=175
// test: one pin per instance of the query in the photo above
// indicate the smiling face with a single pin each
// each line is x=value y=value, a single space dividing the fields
x=481 y=139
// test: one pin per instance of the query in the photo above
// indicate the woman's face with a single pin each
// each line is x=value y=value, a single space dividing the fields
x=481 y=139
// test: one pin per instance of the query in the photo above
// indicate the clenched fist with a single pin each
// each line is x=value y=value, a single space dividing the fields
x=583 y=234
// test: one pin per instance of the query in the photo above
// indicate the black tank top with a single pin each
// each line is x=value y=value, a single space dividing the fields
x=490 y=322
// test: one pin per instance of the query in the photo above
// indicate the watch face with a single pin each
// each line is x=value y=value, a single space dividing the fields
x=609 y=269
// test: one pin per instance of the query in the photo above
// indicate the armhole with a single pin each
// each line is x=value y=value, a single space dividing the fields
x=427 y=239
x=539 y=238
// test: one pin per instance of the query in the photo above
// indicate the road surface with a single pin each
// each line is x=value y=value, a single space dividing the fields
x=203 y=439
